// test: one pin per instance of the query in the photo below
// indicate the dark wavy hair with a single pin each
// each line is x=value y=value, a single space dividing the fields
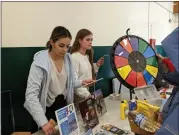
x=57 y=33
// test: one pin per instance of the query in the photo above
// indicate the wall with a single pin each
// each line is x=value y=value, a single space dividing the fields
x=29 y=24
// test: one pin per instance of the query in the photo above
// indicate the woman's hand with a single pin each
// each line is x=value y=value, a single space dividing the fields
x=88 y=82
x=48 y=128
x=100 y=62
x=160 y=56
x=89 y=96
x=159 y=119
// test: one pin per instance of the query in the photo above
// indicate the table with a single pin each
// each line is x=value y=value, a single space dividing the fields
x=112 y=116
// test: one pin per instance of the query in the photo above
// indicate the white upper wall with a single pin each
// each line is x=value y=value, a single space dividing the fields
x=26 y=24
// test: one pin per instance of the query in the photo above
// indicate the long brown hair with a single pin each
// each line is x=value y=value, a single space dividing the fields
x=57 y=33
x=76 y=47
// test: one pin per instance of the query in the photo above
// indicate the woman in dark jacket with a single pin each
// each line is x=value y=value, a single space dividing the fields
x=170 y=113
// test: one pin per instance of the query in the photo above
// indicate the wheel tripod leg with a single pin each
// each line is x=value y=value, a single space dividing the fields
x=130 y=94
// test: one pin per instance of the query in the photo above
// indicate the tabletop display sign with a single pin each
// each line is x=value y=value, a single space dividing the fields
x=67 y=120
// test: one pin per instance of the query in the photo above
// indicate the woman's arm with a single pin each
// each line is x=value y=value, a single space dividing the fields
x=76 y=68
x=82 y=92
x=96 y=68
x=169 y=64
x=77 y=83
x=32 y=103
x=99 y=63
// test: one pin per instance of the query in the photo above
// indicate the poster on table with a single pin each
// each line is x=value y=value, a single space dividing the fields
x=99 y=103
x=67 y=120
x=88 y=113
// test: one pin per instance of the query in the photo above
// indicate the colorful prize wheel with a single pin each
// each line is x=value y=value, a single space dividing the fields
x=133 y=61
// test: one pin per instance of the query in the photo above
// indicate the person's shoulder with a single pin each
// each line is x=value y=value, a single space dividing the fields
x=71 y=56
x=41 y=59
x=75 y=55
x=40 y=54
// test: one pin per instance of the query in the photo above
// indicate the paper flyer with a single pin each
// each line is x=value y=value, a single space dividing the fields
x=67 y=120
x=113 y=129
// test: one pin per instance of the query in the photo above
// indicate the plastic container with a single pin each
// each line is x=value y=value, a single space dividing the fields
x=123 y=108
x=144 y=122
x=125 y=101
x=132 y=105
x=145 y=100
x=150 y=93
